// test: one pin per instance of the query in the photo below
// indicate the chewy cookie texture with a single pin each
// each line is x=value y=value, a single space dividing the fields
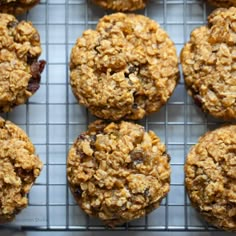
x=118 y=172
x=16 y=6
x=20 y=70
x=126 y=68
x=19 y=167
x=223 y=3
x=121 y=5
x=209 y=64
x=211 y=177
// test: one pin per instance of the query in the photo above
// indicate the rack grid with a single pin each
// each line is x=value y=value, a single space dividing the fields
x=53 y=119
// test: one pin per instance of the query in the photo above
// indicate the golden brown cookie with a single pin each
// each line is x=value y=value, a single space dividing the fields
x=209 y=64
x=19 y=66
x=126 y=68
x=121 y=5
x=223 y=3
x=118 y=172
x=210 y=179
x=16 y=6
x=19 y=167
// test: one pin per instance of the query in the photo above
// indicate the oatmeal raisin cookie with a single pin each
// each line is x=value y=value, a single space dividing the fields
x=17 y=6
x=211 y=177
x=223 y=3
x=118 y=172
x=19 y=167
x=209 y=64
x=19 y=66
x=121 y=5
x=126 y=68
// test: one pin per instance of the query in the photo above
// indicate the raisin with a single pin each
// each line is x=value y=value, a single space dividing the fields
x=36 y=69
x=146 y=192
x=108 y=29
x=137 y=156
x=198 y=100
x=12 y=24
x=82 y=137
x=135 y=106
x=80 y=154
x=229 y=206
x=78 y=191
x=93 y=141
x=133 y=69
x=33 y=85
x=42 y=64
x=126 y=75
x=112 y=72
x=168 y=156
x=96 y=49
x=31 y=59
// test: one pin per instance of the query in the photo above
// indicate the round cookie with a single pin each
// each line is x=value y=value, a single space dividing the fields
x=16 y=6
x=223 y=3
x=209 y=64
x=118 y=172
x=126 y=68
x=121 y=5
x=210 y=179
x=19 y=66
x=19 y=167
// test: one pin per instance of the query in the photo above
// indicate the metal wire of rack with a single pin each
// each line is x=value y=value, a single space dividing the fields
x=53 y=119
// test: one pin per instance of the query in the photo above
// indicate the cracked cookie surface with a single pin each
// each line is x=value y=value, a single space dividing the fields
x=19 y=167
x=16 y=6
x=20 y=70
x=126 y=68
x=121 y=5
x=210 y=177
x=209 y=64
x=118 y=172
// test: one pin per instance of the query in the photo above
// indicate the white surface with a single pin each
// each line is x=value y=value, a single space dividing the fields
x=53 y=119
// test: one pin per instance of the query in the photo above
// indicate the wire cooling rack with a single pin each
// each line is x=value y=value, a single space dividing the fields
x=53 y=119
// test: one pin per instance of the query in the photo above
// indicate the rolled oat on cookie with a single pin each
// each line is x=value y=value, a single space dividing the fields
x=20 y=69
x=210 y=177
x=118 y=172
x=209 y=64
x=125 y=69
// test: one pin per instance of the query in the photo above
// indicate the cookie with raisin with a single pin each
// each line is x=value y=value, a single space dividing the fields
x=121 y=5
x=19 y=168
x=223 y=3
x=210 y=177
x=20 y=69
x=118 y=172
x=209 y=64
x=17 y=6
x=125 y=69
